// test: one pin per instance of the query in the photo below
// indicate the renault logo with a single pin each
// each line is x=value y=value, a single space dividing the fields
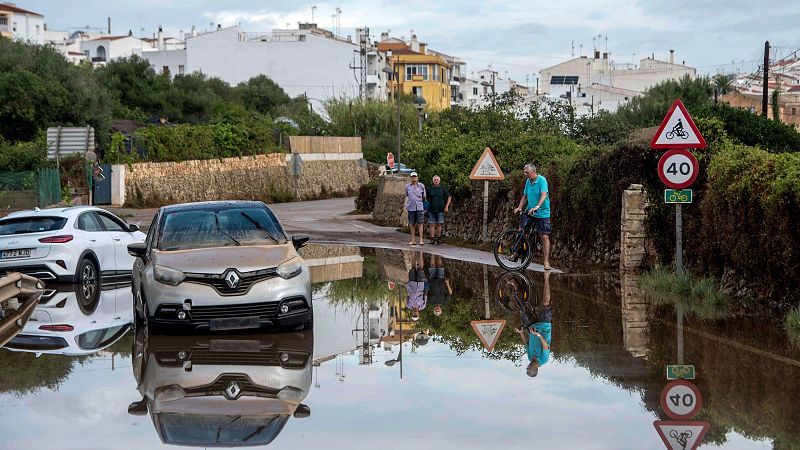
x=233 y=390
x=232 y=278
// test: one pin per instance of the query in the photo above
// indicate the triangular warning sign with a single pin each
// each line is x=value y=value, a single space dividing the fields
x=487 y=168
x=681 y=435
x=678 y=130
x=488 y=331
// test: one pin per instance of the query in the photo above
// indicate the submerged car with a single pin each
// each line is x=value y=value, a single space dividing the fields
x=222 y=390
x=220 y=266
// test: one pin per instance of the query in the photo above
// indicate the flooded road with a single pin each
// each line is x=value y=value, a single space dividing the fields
x=393 y=362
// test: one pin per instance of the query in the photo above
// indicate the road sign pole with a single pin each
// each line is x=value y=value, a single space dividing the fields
x=679 y=271
x=485 y=235
x=486 y=290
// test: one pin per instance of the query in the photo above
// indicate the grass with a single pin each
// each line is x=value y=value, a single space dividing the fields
x=701 y=297
x=791 y=323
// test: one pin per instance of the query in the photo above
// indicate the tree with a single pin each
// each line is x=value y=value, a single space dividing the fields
x=649 y=109
x=776 y=106
x=261 y=94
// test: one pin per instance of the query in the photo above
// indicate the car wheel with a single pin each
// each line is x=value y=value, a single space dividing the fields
x=87 y=279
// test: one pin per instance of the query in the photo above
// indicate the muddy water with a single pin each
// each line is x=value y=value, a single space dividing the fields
x=393 y=362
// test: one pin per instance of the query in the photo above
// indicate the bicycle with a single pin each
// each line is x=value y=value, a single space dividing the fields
x=680 y=133
x=513 y=250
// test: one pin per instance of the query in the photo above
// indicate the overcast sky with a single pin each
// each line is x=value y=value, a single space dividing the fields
x=520 y=37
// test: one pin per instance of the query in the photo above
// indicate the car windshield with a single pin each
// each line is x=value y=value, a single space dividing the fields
x=22 y=225
x=183 y=230
x=214 y=431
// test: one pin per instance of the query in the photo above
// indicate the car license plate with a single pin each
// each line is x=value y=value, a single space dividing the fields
x=234 y=323
x=18 y=253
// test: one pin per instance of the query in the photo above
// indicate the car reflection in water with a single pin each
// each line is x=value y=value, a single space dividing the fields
x=222 y=390
x=61 y=324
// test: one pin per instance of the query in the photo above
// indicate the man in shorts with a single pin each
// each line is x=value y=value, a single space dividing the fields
x=415 y=196
x=438 y=204
x=439 y=284
x=537 y=335
x=536 y=201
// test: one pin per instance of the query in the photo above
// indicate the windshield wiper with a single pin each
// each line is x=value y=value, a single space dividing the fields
x=259 y=226
x=216 y=219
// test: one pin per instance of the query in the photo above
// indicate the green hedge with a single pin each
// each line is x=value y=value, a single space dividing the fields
x=190 y=142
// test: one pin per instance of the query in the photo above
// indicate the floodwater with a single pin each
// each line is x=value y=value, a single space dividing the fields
x=373 y=375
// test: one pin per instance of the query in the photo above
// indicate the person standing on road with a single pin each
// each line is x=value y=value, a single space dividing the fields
x=536 y=201
x=438 y=205
x=537 y=336
x=415 y=196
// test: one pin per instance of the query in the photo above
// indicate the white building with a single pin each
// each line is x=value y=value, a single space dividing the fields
x=106 y=48
x=20 y=24
x=307 y=61
x=477 y=91
x=578 y=79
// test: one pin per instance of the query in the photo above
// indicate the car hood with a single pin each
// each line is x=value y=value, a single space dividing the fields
x=246 y=258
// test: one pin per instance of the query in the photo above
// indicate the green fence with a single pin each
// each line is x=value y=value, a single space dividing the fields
x=18 y=181
x=49 y=187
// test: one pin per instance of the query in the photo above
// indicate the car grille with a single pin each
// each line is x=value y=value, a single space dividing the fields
x=247 y=387
x=218 y=282
x=267 y=310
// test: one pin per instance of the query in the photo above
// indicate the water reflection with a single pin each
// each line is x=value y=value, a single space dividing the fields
x=222 y=390
x=60 y=324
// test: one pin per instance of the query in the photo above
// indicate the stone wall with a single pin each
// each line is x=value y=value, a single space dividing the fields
x=390 y=201
x=269 y=178
x=19 y=199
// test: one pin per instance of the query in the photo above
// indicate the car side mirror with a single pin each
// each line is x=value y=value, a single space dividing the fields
x=138 y=408
x=299 y=240
x=133 y=228
x=138 y=250
x=301 y=412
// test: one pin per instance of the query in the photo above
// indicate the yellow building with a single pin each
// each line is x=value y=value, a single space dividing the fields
x=421 y=74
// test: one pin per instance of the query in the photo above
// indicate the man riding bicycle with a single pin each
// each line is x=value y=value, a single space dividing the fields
x=678 y=128
x=536 y=201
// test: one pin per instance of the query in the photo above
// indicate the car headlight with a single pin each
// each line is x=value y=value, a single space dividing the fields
x=167 y=275
x=290 y=268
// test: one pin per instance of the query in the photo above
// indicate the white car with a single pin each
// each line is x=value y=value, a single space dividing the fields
x=61 y=325
x=83 y=245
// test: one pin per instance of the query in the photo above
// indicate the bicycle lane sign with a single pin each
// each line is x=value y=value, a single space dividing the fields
x=677 y=130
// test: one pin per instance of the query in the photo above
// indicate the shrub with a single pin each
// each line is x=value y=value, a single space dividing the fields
x=701 y=297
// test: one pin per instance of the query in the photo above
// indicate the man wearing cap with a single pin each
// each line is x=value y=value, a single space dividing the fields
x=415 y=196
x=416 y=288
x=439 y=203
x=536 y=201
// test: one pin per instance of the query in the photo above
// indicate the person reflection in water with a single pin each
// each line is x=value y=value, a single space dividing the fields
x=537 y=335
x=417 y=287
x=440 y=290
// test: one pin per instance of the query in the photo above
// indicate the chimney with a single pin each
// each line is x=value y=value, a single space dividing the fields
x=597 y=54
x=130 y=33
x=414 y=43
x=194 y=31
x=109 y=25
x=672 y=56
x=160 y=38
x=605 y=55
x=385 y=36
x=423 y=48
x=219 y=26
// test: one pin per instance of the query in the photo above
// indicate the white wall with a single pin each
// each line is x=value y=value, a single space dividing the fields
x=28 y=27
x=318 y=66
x=115 y=48
x=174 y=59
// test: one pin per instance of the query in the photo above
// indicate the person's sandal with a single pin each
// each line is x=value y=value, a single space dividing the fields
x=422 y=242
x=411 y=243
x=547 y=267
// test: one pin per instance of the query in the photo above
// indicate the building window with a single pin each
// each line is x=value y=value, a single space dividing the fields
x=37 y=29
x=14 y=28
x=435 y=72
x=794 y=111
x=417 y=91
x=475 y=91
x=420 y=70
x=3 y=21
x=165 y=70
x=301 y=38
x=181 y=69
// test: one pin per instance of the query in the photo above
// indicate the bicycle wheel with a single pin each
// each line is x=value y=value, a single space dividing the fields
x=513 y=291
x=670 y=135
x=512 y=250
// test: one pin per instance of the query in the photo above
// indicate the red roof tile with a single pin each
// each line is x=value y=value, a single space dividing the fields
x=16 y=9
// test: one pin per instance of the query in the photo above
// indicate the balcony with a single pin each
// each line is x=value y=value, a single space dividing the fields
x=99 y=59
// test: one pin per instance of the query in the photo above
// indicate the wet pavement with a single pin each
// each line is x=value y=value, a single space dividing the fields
x=393 y=362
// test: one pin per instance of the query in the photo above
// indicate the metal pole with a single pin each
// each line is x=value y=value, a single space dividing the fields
x=400 y=357
x=485 y=233
x=397 y=100
x=679 y=325
x=765 y=94
x=419 y=114
x=679 y=271
x=486 y=290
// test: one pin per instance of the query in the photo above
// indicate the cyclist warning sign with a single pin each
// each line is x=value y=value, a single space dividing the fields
x=681 y=435
x=488 y=331
x=487 y=168
x=678 y=130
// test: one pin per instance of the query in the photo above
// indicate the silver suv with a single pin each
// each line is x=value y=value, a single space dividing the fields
x=220 y=266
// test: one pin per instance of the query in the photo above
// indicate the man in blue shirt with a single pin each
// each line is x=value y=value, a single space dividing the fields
x=536 y=201
x=537 y=335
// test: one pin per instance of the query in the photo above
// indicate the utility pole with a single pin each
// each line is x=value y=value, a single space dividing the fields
x=765 y=94
x=364 y=44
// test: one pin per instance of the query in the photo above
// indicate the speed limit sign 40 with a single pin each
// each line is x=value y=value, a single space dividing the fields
x=681 y=400
x=678 y=169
